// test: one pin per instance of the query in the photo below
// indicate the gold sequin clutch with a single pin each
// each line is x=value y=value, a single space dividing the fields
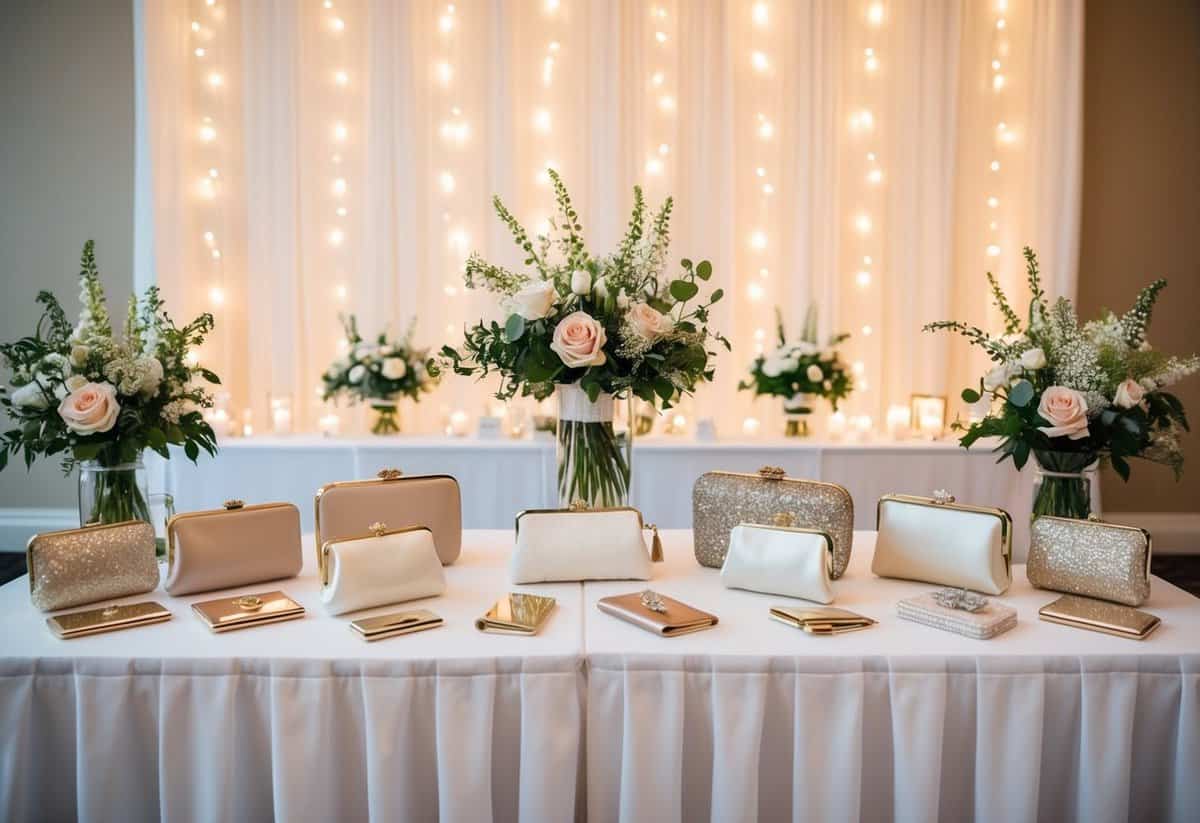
x=1091 y=558
x=722 y=500
x=101 y=562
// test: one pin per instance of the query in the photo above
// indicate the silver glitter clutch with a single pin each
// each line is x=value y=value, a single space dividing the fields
x=1091 y=558
x=100 y=562
x=722 y=500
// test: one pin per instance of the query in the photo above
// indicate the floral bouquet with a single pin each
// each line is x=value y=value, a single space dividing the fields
x=99 y=399
x=1071 y=394
x=590 y=328
x=379 y=373
x=799 y=372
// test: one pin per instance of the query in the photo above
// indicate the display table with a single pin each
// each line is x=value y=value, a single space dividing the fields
x=502 y=477
x=749 y=720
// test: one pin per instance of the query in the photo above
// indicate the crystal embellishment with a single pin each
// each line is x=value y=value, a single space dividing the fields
x=653 y=601
x=962 y=599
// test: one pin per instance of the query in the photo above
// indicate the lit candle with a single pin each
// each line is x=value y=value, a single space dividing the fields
x=931 y=425
x=837 y=425
x=247 y=423
x=751 y=426
x=459 y=420
x=899 y=421
x=281 y=415
x=329 y=424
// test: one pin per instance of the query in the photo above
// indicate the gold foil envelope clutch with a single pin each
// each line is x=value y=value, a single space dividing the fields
x=1091 y=558
x=821 y=620
x=516 y=613
x=74 y=567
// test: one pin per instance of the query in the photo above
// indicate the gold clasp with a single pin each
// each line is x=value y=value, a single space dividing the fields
x=389 y=474
x=232 y=505
x=579 y=505
x=249 y=603
x=941 y=497
x=785 y=520
x=377 y=528
x=772 y=473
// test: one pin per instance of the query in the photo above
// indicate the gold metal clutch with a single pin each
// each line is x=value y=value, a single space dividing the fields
x=516 y=613
x=1099 y=616
x=1091 y=558
x=74 y=567
x=244 y=611
x=107 y=619
x=722 y=500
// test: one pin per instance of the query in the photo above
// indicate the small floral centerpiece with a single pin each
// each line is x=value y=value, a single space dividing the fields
x=380 y=373
x=591 y=328
x=799 y=372
x=100 y=399
x=1071 y=394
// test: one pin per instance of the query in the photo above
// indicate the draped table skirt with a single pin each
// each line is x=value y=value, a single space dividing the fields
x=595 y=719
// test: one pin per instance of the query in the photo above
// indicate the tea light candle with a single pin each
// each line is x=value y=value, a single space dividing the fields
x=837 y=425
x=247 y=422
x=329 y=424
x=862 y=425
x=899 y=421
x=751 y=426
x=459 y=421
x=281 y=415
x=931 y=425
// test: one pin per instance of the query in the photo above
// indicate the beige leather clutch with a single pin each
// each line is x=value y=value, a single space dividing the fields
x=400 y=500
x=656 y=613
x=77 y=566
x=233 y=546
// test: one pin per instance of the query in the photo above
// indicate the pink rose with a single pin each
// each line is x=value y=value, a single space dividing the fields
x=1066 y=412
x=91 y=408
x=579 y=341
x=648 y=322
x=1129 y=394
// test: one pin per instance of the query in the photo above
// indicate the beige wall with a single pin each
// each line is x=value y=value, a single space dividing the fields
x=66 y=173
x=1141 y=200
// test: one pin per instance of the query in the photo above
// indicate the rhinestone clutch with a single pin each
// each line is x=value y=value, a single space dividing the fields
x=722 y=500
x=1090 y=558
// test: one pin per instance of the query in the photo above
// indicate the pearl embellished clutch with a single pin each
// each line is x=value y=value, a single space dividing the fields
x=99 y=562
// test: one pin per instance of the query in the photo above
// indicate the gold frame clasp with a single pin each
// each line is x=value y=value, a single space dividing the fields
x=234 y=504
x=389 y=474
x=772 y=473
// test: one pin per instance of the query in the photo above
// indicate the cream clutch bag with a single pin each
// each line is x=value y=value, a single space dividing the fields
x=380 y=568
x=777 y=560
x=936 y=540
x=77 y=566
x=722 y=500
x=234 y=546
x=581 y=544
x=1091 y=558
x=430 y=500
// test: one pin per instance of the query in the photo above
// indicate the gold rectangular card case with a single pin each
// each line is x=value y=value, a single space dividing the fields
x=821 y=620
x=391 y=625
x=247 y=610
x=1100 y=616
x=107 y=619
x=516 y=613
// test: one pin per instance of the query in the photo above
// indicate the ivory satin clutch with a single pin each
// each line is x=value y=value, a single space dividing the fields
x=1090 y=558
x=655 y=613
x=722 y=500
x=233 y=546
x=776 y=560
x=580 y=544
x=937 y=540
x=379 y=568
x=401 y=500
x=74 y=567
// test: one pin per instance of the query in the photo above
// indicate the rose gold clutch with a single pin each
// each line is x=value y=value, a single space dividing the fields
x=655 y=613
x=99 y=562
x=233 y=546
x=429 y=500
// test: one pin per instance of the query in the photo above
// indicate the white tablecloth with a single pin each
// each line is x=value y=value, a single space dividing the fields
x=750 y=720
x=502 y=477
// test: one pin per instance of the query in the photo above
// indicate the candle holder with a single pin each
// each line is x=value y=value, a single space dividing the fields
x=928 y=415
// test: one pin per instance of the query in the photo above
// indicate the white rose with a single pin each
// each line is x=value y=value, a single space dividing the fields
x=154 y=376
x=789 y=364
x=579 y=341
x=76 y=382
x=362 y=351
x=805 y=348
x=356 y=374
x=622 y=300
x=30 y=396
x=394 y=368
x=79 y=355
x=600 y=289
x=814 y=373
x=1129 y=394
x=648 y=322
x=581 y=282
x=997 y=377
x=533 y=301
x=772 y=366
x=90 y=409
x=1033 y=359
x=828 y=385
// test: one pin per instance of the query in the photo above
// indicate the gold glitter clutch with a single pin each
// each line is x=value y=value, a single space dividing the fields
x=722 y=500
x=100 y=562
x=1091 y=558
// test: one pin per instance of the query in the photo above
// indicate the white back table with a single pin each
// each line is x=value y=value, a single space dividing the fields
x=595 y=719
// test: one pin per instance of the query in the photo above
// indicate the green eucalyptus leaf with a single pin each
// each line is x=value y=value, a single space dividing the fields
x=682 y=290
x=1020 y=394
x=514 y=328
x=704 y=270
x=716 y=295
x=970 y=396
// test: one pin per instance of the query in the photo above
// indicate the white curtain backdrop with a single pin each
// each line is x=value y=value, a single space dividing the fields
x=325 y=156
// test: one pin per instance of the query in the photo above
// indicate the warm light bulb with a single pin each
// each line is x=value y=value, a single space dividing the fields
x=866 y=330
x=1001 y=24
x=664 y=149
x=759 y=61
x=760 y=171
x=863 y=279
x=547 y=71
x=216 y=295
x=760 y=334
x=340 y=292
x=657 y=78
x=859 y=367
x=336 y=237
x=660 y=36
x=554 y=45
x=214 y=174
x=541 y=120
x=666 y=102
x=875 y=14
x=459 y=239
x=327 y=4
x=758 y=240
x=340 y=131
x=768 y=189
x=764 y=272
x=444 y=72
x=446 y=24
x=871 y=63
x=760 y=13
x=199 y=52
x=993 y=202
x=339 y=186
x=862 y=223
x=338 y=24
x=993 y=250
x=654 y=166
x=875 y=176
x=866 y=259
x=206 y=188
x=191 y=359
x=995 y=65
x=862 y=120
x=340 y=211
x=195 y=26
x=208 y=133
x=215 y=80
x=755 y=292
x=766 y=130
x=551 y=6
x=998 y=82
x=446 y=181
x=995 y=165
x=209 y=237
x=216 y=254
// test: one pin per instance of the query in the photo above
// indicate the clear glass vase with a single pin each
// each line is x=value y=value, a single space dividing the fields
x=387 y=417
x=120 y=492
x=594 y=460
x=1063 y=483
x=796 y=411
